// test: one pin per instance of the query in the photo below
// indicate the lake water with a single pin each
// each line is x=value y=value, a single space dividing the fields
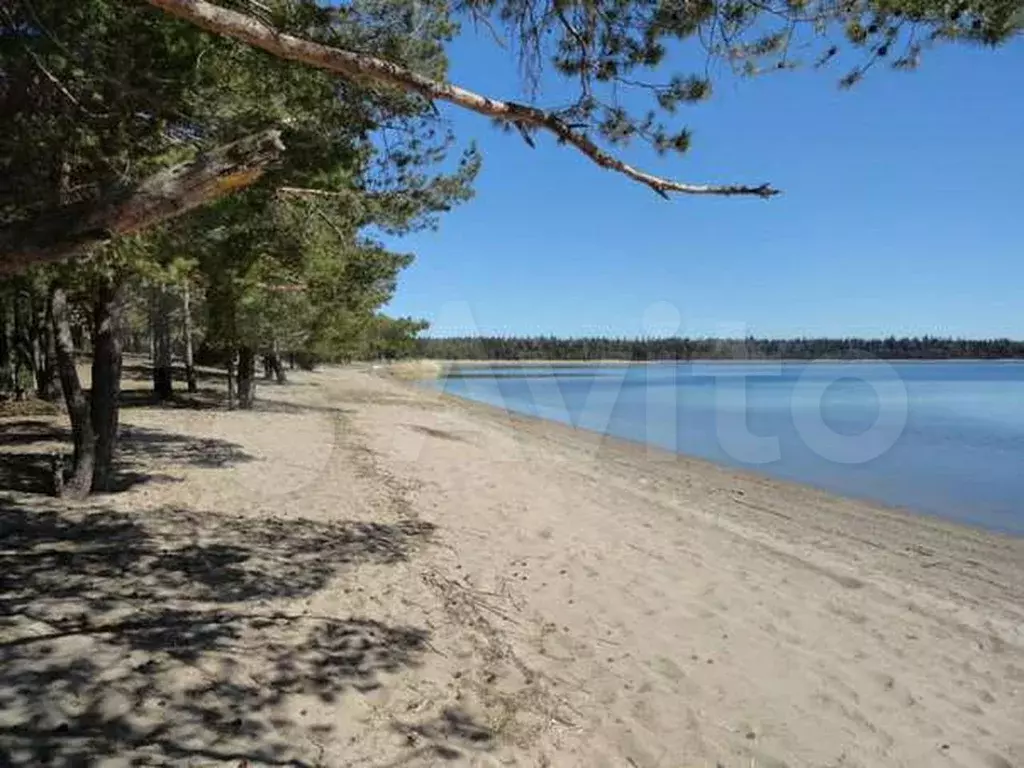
x=945 y=439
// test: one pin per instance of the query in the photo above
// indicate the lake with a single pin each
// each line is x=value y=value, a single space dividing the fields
x=946 y=439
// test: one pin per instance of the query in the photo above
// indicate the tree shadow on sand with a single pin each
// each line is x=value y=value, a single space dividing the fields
x=28 y=447
x=159 y=638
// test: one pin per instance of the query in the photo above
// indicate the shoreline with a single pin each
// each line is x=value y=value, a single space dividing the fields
x=729 y=361
x=706 y=464
x=663 y=456
x=753 y=599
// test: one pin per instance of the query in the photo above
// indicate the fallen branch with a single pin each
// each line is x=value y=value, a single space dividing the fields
x=369 y=69
x=72 y=230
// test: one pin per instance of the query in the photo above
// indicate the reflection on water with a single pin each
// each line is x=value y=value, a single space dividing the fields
x=941 y=438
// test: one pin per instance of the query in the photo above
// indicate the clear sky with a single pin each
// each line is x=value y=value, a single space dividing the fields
x=902 y=213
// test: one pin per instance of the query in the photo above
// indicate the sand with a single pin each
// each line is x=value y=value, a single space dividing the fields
x=363 y=573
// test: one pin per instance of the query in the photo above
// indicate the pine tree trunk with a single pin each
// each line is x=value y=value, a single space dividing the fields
x=230 y=365
x=279 y=372
x=106 y=383
x=37 y=332
x=6 y=358
x=246 y=377
x=44 y=367
x=53 y=385
x=78 y=485
x=163 y=373
x=186 y=311
x=276 y=364
x=17 y=339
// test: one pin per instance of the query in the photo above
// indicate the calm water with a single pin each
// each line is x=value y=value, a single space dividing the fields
x=942 y=438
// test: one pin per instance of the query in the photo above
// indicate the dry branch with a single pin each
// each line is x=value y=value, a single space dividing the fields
x=74 y=229
x=369 y=69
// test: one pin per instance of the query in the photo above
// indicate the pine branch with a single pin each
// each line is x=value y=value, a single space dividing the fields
x=310 y=192
x=71 y=230
x=369 y=69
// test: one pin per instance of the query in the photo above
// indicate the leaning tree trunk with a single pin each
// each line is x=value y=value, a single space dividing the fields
x=78 y=485
x=163 y=373
x=246 y=377
x=73 y=230
x=186 y=312
x=106 y=382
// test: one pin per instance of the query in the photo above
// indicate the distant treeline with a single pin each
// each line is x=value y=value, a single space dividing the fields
x=598 y=348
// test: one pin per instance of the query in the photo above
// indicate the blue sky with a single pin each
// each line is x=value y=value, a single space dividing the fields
x=902 y=210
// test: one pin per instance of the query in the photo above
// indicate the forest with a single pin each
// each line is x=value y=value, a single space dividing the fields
x=602 y=348
x=217 y=182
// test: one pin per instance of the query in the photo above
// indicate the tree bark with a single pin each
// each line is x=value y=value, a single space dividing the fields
x=6 y=356
x=279 y=373
x=106 y=382
x=186 y=311
x=52 y=389
x=37 y=333
x=43 y=349
x=78 y=485
x=363 y=68
x=73 y=229
x=163 y=371
x=276 y=365
x=230 y=367
x=17 y=345
x=39 y=344
x=246 y=377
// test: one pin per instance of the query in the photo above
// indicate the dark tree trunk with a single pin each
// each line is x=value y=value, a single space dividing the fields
x=276 y=365
x=190 y=367
x=78 y=335
x=246 y=377
x=163 y=372
x=44 y=370
x=15 y=349
x=279 y=372
x=44 y=363
x=52 y=388
x=6 y=347
x=230 y=367
x=79 y=483
x=106 y=383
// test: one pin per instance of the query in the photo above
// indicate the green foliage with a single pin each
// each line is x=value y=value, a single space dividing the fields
x=99 y=93
x=615 y=47
x=603 y=348
x=392 y=338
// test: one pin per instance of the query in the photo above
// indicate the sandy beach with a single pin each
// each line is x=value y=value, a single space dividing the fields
x=366 y=573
